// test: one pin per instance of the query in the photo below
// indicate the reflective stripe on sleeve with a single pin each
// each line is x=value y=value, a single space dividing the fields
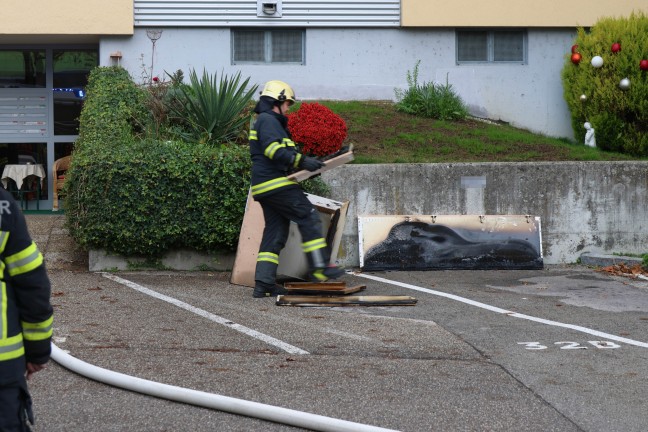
x=38 y=331
x=253 y=134
x=24 y=261
x=272 y=149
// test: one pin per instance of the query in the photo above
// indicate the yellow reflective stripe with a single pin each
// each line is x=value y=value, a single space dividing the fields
x=26 y=260
x=11 y=348
x=4 y=236
x=271 y=185
x=319 y=275
x=288 y=142
x=272 y=149
x=3 y=310
x=268 y=257
x=253 y=134
x=312 y=245
x=297 y=159
x=38 y=331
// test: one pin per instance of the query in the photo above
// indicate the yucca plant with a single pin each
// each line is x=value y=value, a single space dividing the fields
x=209 y=109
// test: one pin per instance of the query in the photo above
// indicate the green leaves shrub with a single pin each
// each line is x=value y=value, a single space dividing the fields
x=619 y=117
x=134 y=196
x=113 y=108
x=429 y=99
x=146 y=197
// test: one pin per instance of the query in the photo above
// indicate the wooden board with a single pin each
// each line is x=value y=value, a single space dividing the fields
x=325 y=291
x=294 y=300
x=328 y=164
x=322 y=288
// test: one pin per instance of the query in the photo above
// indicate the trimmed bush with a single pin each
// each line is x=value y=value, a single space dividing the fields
x=619 y=117
x=113 y=109
x=145 y=198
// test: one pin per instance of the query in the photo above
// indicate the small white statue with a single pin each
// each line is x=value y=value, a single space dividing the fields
x=590 y=139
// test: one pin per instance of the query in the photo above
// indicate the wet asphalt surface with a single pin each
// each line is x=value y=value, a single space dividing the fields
x=559 y=349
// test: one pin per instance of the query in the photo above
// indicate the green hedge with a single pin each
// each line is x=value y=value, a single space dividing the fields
x=145 y=198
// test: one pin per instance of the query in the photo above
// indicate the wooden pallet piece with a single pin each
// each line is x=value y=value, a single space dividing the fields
x=295 y=300
x=322 y=288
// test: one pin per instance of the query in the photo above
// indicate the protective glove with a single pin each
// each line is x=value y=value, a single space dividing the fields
x=310 y=163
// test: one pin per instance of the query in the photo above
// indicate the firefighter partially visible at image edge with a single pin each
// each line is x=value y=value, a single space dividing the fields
x=26 y=316
x=274 y=155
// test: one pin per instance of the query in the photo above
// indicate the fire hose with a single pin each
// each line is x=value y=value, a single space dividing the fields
x=209 y=400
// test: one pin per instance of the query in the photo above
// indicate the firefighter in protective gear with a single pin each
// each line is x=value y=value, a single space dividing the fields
x=274 y=155
x=26 y=315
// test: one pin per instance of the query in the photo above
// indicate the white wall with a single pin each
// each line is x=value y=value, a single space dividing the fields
x=367 y=64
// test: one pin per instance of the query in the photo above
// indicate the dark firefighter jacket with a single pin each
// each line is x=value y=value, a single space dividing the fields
x=25 y=309
x=273 y=154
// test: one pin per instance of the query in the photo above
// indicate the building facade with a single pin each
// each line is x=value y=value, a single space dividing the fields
x=503 y=57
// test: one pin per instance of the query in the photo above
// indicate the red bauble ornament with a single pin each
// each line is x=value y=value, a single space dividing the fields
x=643 y=65
x=616 y=47
x=576 y=58
x=574 y=49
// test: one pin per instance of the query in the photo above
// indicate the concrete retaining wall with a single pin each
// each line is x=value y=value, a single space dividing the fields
x=585 y=207
x=595 y=207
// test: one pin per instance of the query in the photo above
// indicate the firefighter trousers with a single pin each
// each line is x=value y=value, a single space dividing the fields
x=15 y=407
x=279 y=210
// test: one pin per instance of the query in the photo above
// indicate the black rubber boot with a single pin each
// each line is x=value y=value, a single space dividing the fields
x=265 y=280
x=262 y=291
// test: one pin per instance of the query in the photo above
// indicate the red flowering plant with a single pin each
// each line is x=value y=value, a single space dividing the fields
x=317 y=129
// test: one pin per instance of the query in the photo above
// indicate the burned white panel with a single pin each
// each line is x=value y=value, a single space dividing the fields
x=437 y=242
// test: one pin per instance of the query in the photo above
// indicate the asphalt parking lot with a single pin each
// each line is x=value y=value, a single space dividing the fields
x=558 y=349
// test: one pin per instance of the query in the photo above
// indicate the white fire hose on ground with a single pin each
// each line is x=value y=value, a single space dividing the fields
x=210 y=400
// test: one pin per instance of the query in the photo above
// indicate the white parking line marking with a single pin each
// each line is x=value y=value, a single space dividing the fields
x=507 y=312
x=210 y=316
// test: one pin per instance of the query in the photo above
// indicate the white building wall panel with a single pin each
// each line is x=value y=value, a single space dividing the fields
x=295 y=13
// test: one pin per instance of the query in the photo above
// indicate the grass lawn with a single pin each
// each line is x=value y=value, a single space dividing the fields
x=380 y=134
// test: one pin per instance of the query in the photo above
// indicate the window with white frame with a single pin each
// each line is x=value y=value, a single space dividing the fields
x=491 y=46
x=268 y=46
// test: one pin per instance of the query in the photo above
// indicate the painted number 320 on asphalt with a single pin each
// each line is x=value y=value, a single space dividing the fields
x=570 y=345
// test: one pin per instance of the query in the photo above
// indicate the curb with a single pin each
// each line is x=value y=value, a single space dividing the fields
x=608 y=260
